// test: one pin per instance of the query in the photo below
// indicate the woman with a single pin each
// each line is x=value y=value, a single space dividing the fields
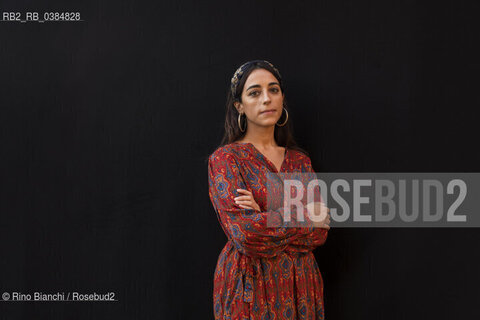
x=262 y=272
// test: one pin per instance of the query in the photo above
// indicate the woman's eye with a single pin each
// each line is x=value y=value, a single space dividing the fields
x=255 y=93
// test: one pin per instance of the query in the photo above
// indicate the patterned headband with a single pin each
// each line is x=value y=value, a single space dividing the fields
x=238 y=74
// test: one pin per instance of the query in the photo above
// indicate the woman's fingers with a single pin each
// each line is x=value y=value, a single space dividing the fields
x=327 y=220
x=245 y=202
x=324 y=211
x=244 y=191
x=243 y=198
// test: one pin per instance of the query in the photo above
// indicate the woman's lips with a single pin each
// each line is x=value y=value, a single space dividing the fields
x=268 y=112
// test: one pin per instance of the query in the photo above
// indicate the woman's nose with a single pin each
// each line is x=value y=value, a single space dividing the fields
x=266 y=96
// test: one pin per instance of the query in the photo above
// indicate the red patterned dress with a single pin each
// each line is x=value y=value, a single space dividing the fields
x=261 y=273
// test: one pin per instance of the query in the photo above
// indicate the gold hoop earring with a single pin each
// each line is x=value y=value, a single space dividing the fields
x=239 y=122
x=284 y=122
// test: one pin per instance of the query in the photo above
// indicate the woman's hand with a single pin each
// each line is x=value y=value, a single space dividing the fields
x=320 y=212
x=246 y=201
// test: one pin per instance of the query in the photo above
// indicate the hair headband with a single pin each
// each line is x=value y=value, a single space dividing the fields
x=238 y=74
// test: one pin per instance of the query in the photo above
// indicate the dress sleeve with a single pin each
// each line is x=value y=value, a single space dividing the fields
x=317 y=237
x=247 y=228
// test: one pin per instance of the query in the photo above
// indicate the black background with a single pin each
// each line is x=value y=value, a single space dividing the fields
x=105 y=126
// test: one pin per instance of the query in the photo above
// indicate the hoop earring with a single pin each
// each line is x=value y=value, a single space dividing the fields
x=284 y=122
x=239 y=122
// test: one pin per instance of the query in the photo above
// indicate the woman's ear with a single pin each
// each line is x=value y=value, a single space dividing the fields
x=238 y=106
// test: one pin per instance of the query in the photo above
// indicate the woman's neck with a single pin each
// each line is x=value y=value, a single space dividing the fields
x=260 y=137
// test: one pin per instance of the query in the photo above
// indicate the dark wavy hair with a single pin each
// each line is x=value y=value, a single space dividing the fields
x=283 y=135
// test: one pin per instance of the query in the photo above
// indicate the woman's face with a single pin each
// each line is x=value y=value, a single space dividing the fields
x=262 y=98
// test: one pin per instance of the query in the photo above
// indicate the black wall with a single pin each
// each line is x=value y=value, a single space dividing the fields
x=105 y=126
